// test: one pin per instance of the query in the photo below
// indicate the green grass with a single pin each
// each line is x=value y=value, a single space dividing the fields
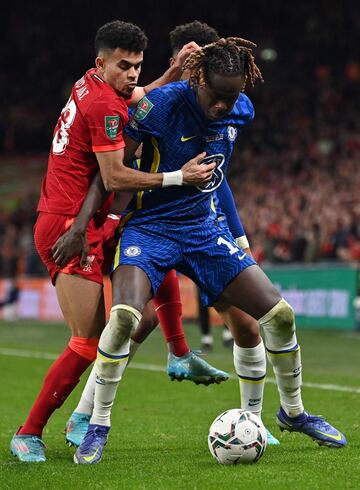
x=159 y=434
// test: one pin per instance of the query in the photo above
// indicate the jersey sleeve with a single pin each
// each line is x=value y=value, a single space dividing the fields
x=149 y=118
x=106 y=119
x=228 y=207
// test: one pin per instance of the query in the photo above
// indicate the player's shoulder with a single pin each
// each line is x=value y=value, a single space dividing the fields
x=160 y=101
x=243 y=109
x=167 y=93
x=92 y=91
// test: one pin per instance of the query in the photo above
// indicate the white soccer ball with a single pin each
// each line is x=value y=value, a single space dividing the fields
x=237 y=437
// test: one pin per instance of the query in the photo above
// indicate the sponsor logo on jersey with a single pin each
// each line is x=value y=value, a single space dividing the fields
x=132 y=251
x=112 y=126
x=143 y=109
x=218 y=175
x=232 y=133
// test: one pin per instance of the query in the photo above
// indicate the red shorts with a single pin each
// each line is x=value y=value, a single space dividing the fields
x=102 y=242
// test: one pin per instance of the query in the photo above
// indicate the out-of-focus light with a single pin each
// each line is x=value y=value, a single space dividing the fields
x=268 y=54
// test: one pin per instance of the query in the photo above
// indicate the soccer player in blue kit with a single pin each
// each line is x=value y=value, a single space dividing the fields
x=174 y=229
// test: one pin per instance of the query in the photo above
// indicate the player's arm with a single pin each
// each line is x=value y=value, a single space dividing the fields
x=115 y=176
x=228 y=207
x=172 y=74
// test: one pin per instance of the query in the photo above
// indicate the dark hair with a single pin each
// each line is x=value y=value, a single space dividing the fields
x=230 y=56
x=196 y=31
x=119 y=34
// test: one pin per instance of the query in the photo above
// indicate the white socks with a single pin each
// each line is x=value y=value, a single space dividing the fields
x=250 y=366
x=284 y=354
x=112 y=358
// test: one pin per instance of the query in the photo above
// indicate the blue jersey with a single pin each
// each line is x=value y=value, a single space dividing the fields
x=173 y=129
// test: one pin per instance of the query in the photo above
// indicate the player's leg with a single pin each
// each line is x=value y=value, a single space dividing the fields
x=131 y=291
x=207 y=340
x=252 y=291
x=182 y=363
x=249 y=359
x=82 y=305
x=77 y=425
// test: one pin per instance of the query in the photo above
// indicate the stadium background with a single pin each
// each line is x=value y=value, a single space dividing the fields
x=296 y=181
x=295 y=173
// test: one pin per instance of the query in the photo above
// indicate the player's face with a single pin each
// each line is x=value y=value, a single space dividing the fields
x=120 y=69
x=217 y=97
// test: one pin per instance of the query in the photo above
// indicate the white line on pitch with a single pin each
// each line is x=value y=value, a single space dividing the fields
x=153 y=367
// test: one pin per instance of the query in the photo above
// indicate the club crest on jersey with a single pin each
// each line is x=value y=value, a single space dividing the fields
x=232 y=133
x=89 y=263
x=143 y=109
x=112 y=126
x=132 y=251
x=218 y=175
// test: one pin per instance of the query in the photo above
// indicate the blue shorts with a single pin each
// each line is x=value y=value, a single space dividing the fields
x=206 y=253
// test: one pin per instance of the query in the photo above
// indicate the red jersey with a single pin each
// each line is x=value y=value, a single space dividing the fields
x=92 y=121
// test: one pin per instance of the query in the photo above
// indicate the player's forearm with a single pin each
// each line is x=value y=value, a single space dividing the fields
x=95 y=198
x=128 y=179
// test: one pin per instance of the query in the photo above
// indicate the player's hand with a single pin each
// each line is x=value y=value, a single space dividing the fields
x=195 y=174
x=184 y=53
x=71 y=244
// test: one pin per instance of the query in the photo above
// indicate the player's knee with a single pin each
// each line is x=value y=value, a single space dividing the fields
x=283 y=317
x=123 y=321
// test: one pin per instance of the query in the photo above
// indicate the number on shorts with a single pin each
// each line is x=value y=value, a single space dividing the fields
x=232 y=250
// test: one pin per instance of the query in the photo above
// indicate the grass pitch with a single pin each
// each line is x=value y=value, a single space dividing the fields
x=159 y=434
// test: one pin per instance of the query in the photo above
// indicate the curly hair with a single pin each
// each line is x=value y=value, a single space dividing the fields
x=230 y=56
x=119 y=34
x=196 y=31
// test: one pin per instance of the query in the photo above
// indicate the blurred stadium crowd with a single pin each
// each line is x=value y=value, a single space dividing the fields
x=295 y=174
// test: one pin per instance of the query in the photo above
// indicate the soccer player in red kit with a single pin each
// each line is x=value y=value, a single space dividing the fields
x=88 y=135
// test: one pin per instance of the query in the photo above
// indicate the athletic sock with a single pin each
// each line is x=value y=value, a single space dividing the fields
x=59 y=382
x=250 y=366
x=168 y=307
x=284 y=355
x=112 y=358
x=86 y=402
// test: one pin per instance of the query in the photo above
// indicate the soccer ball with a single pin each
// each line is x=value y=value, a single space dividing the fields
x=237 y=437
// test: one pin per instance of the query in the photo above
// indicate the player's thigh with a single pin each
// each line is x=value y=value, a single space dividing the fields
x=252 y=291
x=143 y=256
x=82 y=304
x=243 y=327
x=131 y=286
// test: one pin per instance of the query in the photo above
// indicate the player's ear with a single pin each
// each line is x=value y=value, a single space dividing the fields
x=171 y=61
x=99 y=63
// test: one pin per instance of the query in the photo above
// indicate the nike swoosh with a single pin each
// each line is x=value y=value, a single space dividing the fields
x=336 y=438
x=242 y=256
x=184 y=139
x=90 y=458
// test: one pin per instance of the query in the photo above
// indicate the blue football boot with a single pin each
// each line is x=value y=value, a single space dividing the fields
x=193 y=368
x=313 y=426
x=271 y=440
x=28 y=448
x=76 y=428
x=91 y=449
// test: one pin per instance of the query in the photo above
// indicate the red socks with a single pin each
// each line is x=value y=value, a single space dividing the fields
x=59 y=382
x=167 y=304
